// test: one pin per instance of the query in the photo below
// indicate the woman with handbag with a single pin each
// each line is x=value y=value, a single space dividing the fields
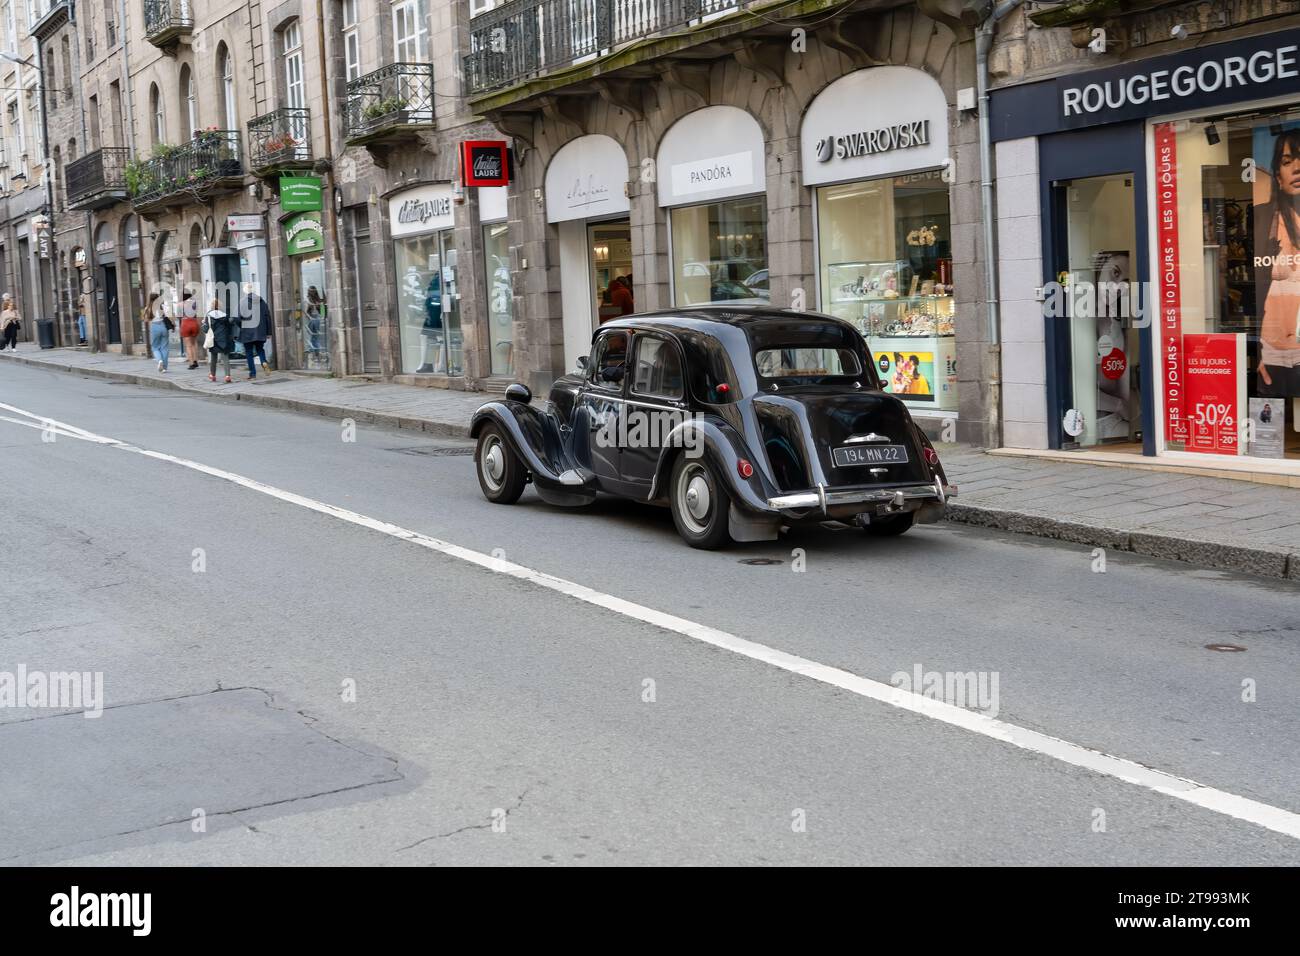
x=219 y=334
x=160 y=327
x=9 y=322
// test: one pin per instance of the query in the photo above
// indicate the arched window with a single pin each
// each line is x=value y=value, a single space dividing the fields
x=159 y=128
x=226 y=70
x=189 y=106
x=57 y=183
x=72 y=150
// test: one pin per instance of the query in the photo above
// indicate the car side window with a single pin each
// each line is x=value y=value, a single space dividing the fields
x=658 y=370
x=609 y=354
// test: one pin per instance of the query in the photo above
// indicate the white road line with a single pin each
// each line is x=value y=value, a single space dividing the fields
x=1189 y=791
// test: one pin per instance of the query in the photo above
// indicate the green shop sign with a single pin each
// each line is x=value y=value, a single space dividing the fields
x=300 y=193
x=302 y=233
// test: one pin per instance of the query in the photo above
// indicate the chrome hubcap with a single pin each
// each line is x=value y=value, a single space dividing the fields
x=694 y=498
x=493 y=462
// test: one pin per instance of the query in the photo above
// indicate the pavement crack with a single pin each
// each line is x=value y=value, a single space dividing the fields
x=519 y=802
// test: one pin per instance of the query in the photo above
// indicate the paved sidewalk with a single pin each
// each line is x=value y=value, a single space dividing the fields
x=1209 y=522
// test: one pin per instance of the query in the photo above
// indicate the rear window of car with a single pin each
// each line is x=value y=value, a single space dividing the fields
x=802 y=362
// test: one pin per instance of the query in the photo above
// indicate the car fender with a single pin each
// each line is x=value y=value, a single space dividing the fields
x=723 y=446
x=533 y=435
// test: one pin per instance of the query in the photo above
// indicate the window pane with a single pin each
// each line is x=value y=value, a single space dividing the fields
x=501 y=303
x=885 y=264
x=658 y=369
x=803 y=362
x=717 y=249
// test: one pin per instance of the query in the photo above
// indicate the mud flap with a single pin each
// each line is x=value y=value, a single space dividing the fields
x=745 y=527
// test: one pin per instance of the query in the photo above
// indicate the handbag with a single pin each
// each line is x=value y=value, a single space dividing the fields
x=210 y=339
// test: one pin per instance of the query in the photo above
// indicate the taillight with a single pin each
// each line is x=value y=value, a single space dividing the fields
x=723 y=389
x=931 y=456
x=744 y=468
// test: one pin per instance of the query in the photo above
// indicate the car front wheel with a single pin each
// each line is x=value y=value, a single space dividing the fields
x=700 y=504
x=501 y=474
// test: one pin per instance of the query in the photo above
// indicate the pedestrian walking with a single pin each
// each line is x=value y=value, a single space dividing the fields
x=219 y=334
x=190 y=328
x=160 y=327
x=10 y=322
x=254 y=330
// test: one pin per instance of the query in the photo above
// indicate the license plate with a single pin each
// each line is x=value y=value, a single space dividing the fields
x=870 y=455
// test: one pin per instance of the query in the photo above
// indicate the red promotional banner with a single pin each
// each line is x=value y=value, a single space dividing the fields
x=1170 y=333
x=1215 y=366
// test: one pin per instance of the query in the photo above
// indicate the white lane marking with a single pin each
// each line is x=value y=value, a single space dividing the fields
x=1121 y=768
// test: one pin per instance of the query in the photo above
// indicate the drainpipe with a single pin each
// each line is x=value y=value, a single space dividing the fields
x=47 y=176
x=984 y=35
x=327 y=194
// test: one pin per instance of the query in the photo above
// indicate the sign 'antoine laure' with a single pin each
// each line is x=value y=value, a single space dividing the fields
x=422 y=210
x=869 y=142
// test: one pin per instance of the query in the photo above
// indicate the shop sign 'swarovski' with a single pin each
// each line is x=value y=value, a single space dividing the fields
x=869 y=142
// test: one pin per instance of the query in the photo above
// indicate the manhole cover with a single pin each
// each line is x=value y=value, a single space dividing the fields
x=1225 y=648
x=758 y=562
x=442 y=451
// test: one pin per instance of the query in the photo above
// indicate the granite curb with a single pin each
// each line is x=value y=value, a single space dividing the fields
x=1201 y=552
x=324 y=409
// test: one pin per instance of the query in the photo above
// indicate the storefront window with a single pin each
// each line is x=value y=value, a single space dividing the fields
x=500 y=297
x=718 y=249
x=428 y=304
x=1228 y=282
x=885 y=260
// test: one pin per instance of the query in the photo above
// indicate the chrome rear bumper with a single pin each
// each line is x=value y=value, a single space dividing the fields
x=899 y=496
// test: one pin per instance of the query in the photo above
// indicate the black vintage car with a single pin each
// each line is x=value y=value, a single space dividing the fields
x=740 y=419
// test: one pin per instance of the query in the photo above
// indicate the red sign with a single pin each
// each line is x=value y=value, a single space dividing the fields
x=1113 y=364
x=1170 y=334
x=484 y=163
x=1215 y=366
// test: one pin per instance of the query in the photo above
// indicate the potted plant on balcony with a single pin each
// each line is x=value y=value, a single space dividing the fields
x=390 y=111
x=278 y=148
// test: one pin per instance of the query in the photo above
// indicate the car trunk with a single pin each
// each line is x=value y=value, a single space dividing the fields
x=803 y=425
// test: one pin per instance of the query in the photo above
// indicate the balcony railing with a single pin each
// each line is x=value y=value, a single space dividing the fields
x=527 y=38
x=390 y=102
x=208 y=164
x=280 y=138
x=97 y=179
x=166 y=21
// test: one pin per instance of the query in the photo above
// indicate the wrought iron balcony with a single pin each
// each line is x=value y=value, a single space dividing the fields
x=280 y=138
x=166 y=21
x=391 y=103
x=176 y=175
x=524 y=39
x=97 y=179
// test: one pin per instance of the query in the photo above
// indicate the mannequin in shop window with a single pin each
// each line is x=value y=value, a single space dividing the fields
x=432 y=329
x=1277 y=235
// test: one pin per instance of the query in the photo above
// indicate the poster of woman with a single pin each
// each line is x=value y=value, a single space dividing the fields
x=1277 y=257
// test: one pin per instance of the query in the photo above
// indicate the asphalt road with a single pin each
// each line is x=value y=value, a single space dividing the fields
x=285 y=687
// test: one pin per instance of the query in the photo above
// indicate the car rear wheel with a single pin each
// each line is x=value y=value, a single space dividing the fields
x=501 y=474
x=890 y=527
x=700 y=504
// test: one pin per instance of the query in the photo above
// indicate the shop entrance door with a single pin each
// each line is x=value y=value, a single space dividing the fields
x=368 y=306
x=312 y=312
x=110 y=306
x=609 y=251
x=1099 y=247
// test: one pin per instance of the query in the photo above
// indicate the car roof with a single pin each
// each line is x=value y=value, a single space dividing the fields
x=751 y=318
